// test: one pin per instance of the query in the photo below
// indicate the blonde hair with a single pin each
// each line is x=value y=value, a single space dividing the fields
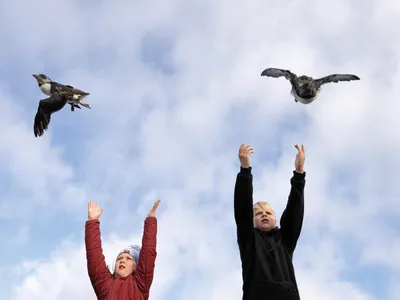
x=263 y=205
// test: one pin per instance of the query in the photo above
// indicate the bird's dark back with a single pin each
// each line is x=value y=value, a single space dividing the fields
x=58 y=87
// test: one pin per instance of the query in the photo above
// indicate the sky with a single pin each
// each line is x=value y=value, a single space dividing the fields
x=175 y=89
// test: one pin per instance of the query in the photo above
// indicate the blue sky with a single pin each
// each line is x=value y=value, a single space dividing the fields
x=175 y=88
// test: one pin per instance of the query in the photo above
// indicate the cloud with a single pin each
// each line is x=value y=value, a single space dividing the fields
x=174 y=90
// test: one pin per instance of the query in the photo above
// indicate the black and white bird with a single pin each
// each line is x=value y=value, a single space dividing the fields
x=49 y=87
x=306 y=89
x=46 y=108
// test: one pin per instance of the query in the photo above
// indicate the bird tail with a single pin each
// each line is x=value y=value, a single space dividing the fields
x=81 y=98
x=85 y=105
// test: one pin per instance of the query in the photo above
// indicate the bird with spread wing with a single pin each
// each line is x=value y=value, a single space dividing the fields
x=305 y=89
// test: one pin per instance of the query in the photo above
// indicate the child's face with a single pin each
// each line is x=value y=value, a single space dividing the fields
x=125 y=265
x=264 y=218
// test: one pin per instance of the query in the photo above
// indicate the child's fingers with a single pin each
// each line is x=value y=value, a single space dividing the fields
x=155 y=205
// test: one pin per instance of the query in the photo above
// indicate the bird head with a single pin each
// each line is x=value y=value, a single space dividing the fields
x=42 y=79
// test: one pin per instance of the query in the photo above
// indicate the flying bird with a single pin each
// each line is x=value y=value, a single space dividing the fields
x=306 y=89
x=46 y=108
x=49 y=87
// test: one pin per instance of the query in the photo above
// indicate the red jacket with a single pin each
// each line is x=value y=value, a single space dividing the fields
x=132 y=287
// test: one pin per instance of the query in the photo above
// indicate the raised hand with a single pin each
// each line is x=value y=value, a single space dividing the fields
x=153 y=210
x=244 y=155
x=300 y=159
x=94 y=212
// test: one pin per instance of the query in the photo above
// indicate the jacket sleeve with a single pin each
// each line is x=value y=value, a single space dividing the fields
x=99 y=275
x=243 y=207
x=145 y=269
x=292 y=216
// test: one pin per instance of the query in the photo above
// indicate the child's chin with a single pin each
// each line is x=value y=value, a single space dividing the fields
x=122 y=273
x=265 y=227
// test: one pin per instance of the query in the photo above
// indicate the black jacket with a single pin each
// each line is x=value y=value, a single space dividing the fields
x=267 y=268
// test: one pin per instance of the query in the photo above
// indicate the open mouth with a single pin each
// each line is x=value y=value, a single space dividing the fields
x=121 y=267
x=265 y=221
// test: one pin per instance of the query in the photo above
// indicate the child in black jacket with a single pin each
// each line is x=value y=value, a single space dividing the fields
x=266 y=251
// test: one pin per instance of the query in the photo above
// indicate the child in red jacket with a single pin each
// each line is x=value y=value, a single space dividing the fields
x=134 y=267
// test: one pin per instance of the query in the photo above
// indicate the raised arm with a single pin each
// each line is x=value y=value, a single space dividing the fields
x=243 y=198
x=293 y=215
x=99 y=275
x=145 y=270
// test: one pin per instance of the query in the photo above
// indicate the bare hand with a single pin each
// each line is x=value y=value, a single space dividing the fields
x=94 y=212
x=153 y=210
x=244 y=155
x=300 y=159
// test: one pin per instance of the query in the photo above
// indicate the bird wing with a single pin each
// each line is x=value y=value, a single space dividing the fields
x=336 y=78
x=46 y=108
x=273 y=72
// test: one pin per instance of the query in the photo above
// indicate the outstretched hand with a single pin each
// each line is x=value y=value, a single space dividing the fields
x=244 y=155
x=153 y=210
x=94 y=212
x=300 y=159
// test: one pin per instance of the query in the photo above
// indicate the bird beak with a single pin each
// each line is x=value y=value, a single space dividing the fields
x=35 y=75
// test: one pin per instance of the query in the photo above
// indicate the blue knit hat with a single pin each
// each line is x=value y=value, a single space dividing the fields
x=133 y=250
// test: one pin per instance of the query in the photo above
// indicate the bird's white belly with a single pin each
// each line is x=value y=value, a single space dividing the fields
x=45 y=88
